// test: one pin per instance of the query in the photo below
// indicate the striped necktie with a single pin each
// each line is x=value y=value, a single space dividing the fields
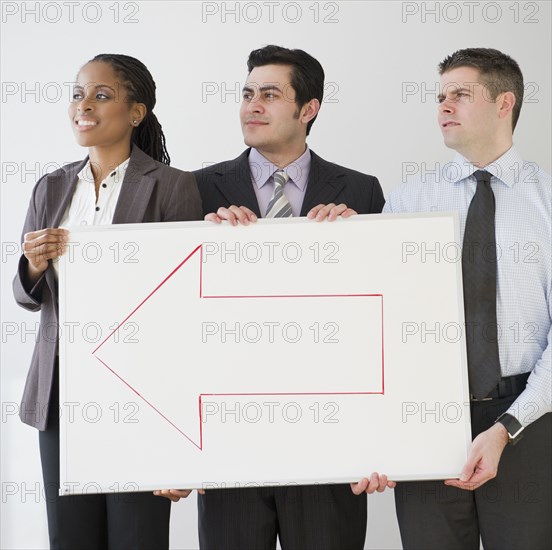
x=479 y=274
x=279 y=206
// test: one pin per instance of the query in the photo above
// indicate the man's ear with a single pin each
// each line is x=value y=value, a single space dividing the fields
x=505 y=103
x=309 y=110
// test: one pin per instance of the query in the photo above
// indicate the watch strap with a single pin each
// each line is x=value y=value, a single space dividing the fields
x=513 y=427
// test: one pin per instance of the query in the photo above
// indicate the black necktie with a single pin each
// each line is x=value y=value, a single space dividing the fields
x=479 y=274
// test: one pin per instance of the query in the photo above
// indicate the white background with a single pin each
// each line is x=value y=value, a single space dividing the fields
x=375 y=55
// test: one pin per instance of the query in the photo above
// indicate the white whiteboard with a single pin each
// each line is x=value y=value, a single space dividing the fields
x=196 y=355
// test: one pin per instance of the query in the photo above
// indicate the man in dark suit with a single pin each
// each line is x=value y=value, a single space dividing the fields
x=281 y=100
x=279 y=176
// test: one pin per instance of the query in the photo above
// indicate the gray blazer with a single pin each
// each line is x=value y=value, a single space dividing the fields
x=150 y=192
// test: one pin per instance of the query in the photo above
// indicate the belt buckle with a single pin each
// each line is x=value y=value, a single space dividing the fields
x=474 y=399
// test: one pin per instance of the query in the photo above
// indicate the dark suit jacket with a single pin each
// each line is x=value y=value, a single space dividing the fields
x=342 y=513
x=150 y=192
x=229 y=183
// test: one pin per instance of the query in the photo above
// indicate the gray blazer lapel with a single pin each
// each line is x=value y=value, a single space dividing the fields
x=60 y=189
x=136 y=188
x=325 y=183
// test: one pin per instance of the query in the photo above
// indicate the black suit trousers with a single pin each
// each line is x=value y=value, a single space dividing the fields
x=116 y=521
x=510 y=512
x=313 y=517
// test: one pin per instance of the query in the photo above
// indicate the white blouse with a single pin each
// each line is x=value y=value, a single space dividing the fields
x=84 y=209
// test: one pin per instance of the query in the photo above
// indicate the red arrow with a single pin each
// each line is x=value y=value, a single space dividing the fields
x=137 y=365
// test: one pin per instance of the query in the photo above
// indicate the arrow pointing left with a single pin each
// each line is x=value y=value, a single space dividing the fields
x=238 y=344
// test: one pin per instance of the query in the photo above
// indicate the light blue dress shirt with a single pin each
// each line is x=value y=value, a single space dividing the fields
x=523 y=221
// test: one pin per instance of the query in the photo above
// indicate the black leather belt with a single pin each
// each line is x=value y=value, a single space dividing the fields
x=508 y=386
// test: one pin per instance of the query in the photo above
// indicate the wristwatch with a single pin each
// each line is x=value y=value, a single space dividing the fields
x=513 y=427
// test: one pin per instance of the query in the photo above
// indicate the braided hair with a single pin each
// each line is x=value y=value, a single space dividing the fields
x=140 y=86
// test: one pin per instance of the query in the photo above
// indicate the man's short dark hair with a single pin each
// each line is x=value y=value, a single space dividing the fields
x=307 y=75
x=499 y=72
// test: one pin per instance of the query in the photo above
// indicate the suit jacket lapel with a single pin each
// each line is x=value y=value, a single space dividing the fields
x=325 y=183
x=136 y=188
x=60 y=191
x=235 y=183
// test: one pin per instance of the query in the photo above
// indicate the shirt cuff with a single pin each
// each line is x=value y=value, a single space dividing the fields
x=528 y=407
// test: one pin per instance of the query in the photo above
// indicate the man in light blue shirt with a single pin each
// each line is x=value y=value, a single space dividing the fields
x=504 y=491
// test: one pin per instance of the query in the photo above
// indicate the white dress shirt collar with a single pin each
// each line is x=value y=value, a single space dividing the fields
x=506 y=168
